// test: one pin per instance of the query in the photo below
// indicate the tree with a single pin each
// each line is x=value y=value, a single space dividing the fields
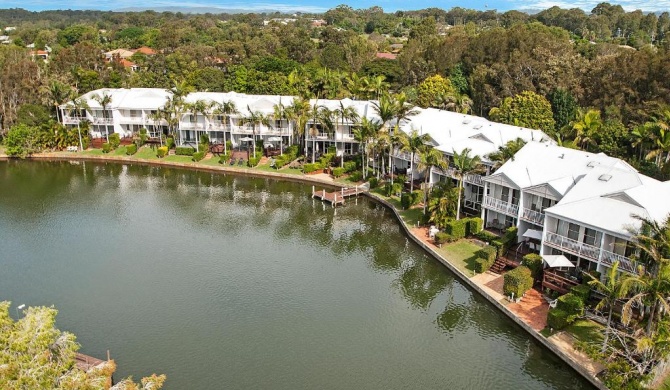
x=36 y=355
x=564 y=108
x=585 y=126
x=255 y=118
x=443 y=203
x=526 y=109
x=22 y=141
x=660 y=132
x=506 y=152
x=104 y=100
x=78 y=105
x=464 y=164
x=298 y=112
x=429 y=159
x=611 y=290
x=365 y=131
x=415 y=144
x=348 y=114
x=225 y=109
x=431 y=89
x=203 y=108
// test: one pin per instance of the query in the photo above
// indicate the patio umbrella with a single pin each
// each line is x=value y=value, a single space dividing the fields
x=533 y=234
x=281 y=143
x=246 y=139
x=557 y=261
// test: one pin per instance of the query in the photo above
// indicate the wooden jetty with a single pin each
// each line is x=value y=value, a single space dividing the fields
x=336 y=197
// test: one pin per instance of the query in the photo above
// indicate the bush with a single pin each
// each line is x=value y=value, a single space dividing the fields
x=534 y=263
x=131 y=149
x=197 y=156
x=309 y=168
x=417 y=196
x=331 y=150
x=473 y=226
x=485 y=236
x=184 y=151
x=115 y=140
x=572 y=305
x=517 y=281
x=162 y=152
x=143 y=136
x=204 y=139
x=170 y=142
x=374 y=182
x=487 y=253
x=456 y=228
x=356 y=176
x=224 y=159
x=253 y=161
x=443 y=238
x=583 y=291
x=338 y=172
x=405 y=201
x=106 y=147
x=350 y=166
x=482 y=265
x=557 y=319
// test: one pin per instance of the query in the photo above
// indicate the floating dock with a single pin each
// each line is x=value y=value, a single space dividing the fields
x=337 y=197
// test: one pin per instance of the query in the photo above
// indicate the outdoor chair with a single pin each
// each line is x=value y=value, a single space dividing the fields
x=232 y=161
x=240 y=161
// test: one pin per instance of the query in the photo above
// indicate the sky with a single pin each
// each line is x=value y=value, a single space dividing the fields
x=323 y=5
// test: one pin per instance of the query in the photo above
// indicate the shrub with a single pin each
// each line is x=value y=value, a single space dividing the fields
x=197 y=156
x=170 y=142
x=374 y=182
x=203 y=148
x=115 y=140
x=473 y=226
x=224 y=159
x=534 y=263
x=405 y=201
x=392 y=189
x=487 y=253
x=131 y=149
x=204 y=139
x=517 y=281
x=253 y=161
x=338 y=172
x=456 y=228
x=443 y=238
x=106 y=147
x=485 y=236
x=309 y=168
x=350 y=166
x=417 y=196
x=572 y=305
x=331 y=150
x=482 y=265
x=162 y=152
x=184 y=151
x=583 y=291
x=557 y=319
x=356 y=176
x=143 y=136
x=280 y=162
x=594 y=274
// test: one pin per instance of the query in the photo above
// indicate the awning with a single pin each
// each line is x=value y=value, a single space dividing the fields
x=534 y=234
x=274 y=139
x=557 y=261
x=246 y=139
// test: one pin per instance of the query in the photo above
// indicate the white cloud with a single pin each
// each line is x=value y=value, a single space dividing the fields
x=588 y=5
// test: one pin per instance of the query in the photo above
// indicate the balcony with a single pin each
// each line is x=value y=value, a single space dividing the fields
x=102 y=121
x=191 y=126
x=625 y=264
x=242 y=130
x=348 y=137
x=572 y=246
x=470 y=178
x=72 y=120
x=406 y=156
x=276 y=131
x=133 y=119
x=501 y=206
x=532 y=216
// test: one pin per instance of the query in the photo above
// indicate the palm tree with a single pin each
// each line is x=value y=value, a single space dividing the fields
x=430 y=158
x=506 y=152
x=78 y=105
x=59 y=93
x=299 y=79
x=386 y=109
x=226 y=110
x=348 y=114
x=362 y=134
x=464 y=164
x=661 y=143
x=255 y=118
x=442 y=204
x=199 y=107
x=403 y=111
x=299 y=112
x=649 y=291
x=104 y=100
x=585 y=126
x=641 y=138
x=379 y=85
x=415 y=143
x=611 y=290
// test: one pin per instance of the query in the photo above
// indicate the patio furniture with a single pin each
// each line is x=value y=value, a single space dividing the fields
x=240 y=162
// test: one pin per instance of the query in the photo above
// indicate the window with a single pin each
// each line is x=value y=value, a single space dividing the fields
x=592 y=237
x=546 y=203
x=573 y=231
x=504 y=194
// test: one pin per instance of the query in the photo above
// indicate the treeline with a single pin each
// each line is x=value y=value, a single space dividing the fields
x=609 y=64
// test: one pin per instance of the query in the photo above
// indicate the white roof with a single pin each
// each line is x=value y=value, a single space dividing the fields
x=557 y=261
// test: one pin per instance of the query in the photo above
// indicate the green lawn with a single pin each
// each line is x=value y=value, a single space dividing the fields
x=146 y=153
x=120 y=151
x=461 y=254
x=93 y=152
x=214 y=161
x=179 y=159
x=586 y=330
x=286 y=169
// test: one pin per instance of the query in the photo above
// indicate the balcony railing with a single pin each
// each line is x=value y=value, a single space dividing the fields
x=243 y=130
x=406 y=156
x=132 y=119
x=276 y=131
x=191 y=126
x=572 y=246
x=501 y=206
x=348 y=137
x=71 y=120
x=532 y=216
x=626 y=264
x=103 y=121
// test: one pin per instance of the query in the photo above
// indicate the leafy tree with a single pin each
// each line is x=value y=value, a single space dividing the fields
x=443 y=203
x=526 y=109
x=22 y=141
x=32 y=115
x=431 y=88
x=506 y=152
x=564 y=107
x=585 y=127
x=415 y=145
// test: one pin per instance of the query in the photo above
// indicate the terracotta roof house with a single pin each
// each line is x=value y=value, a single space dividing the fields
x=386 y=56
x=147 y=51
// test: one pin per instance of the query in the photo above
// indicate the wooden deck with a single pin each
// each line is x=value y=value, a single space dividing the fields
x=85 y=362
x=557 y=282
x=336 y=197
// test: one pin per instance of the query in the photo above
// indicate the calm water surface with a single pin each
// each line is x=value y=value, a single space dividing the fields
x=240 y=283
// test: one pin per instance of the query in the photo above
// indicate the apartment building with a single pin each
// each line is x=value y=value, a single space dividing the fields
x=581 y=204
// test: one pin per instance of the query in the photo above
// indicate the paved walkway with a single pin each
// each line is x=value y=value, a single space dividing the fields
x=565 y=343
x=532 y=309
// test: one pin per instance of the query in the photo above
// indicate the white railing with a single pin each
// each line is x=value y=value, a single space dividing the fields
x=103 y=121
x=406 y=156
x=348 y=137
x=191 y=126
x=572 y=246
x=471 y=178
x=608 y=258
x=71 y=120
x=132 y=119
x=242 y=130
x=501 y=206
x=532 y=216
x=276 y=131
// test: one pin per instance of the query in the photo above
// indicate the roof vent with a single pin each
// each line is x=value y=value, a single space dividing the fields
x=477 y=127
x=591 y=164
x=605 y=177
x=561 y=156
x=466 y=121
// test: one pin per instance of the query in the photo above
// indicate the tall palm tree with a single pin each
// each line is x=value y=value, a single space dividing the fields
x=464 y=164
x=78 y=105
x=430 y=158
x=506 y=152
x=403 y=112
x=650 y=290
x=611 y=290
x=203 y=108
x=660 y=144
x=104 y=100
x=363 y=134
x=255 y=118
x=379 y=85
x=58 y=94
x=642 y=138
x=348 y=114
x=415 y=144
x=225 y=110
x=585 y=126
x=299 y=112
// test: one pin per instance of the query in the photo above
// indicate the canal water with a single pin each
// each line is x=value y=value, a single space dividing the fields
x=242 y=283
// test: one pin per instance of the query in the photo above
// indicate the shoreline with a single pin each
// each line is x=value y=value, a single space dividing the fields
x=305 y=179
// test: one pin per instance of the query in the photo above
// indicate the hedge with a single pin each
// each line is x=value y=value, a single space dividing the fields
x=374 y=182
x=392 y=189
x=309 y=168
x=456 y=228
x=170 y=142
x=443 y=238
x=199 y=156
x=350 y=166
x=482 y=265
x=485 y=236
x=572 y=305
x=557 y=319
x=534 y=262
x=184 y=151
x=473 y=226
x=253 y=161
x=583 y=291
x=338 y=172
x=517 y=281
x=106 y=147
x=487 y=253
x=115 y=140
x=162 y=152
x=224 y=159
x=131 y=149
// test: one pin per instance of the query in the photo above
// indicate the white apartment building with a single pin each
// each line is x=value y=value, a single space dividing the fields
x=581 y=203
